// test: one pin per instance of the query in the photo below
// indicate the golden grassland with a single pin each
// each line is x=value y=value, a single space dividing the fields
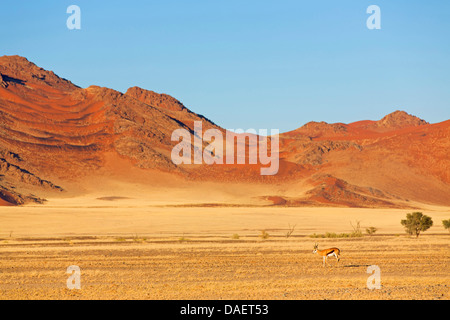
x=143 y=252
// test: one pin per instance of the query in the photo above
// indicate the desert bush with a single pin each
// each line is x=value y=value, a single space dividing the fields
x=416 y=222
x=371 y=230
x=235 y=236
x=264 y=234
x=446 y=224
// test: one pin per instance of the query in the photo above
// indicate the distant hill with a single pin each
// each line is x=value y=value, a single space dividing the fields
x=56 y=137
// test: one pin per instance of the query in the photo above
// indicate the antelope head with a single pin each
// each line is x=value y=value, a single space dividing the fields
x=316 y=246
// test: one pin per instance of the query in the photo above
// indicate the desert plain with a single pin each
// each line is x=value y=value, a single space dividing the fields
x=131 y=249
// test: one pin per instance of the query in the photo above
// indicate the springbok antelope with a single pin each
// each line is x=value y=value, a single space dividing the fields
x=327 y=253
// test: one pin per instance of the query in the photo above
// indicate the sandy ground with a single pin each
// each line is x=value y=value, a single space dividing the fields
x=127 y=250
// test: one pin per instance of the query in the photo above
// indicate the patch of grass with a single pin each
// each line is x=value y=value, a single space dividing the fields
x=336 y=235
x=235 y=236
x=120 y=239
x=355 y=234
x=137 y=239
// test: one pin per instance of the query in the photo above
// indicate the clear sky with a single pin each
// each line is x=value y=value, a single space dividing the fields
x=249 y=63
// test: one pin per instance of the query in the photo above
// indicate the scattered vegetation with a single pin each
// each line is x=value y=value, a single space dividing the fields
x=290 y=230
x=416 y=222
x=120 y=239
x=354 y=234
x=446 y=224
x=235 y=236
x=335 y=235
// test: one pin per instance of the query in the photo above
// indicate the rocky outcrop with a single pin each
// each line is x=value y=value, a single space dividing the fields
x=334 y=191
x=398 y=120
x=3 y=82
x=19 y=70
x=314 y=151
x=11 y=197
x=157 y=100
x=24 y=176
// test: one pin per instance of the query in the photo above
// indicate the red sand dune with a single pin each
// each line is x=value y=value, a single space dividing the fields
x=54 y=135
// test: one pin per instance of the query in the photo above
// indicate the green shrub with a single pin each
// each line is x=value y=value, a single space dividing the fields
x=446 y=224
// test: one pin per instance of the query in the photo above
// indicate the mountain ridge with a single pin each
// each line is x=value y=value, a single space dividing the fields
x=54 y=131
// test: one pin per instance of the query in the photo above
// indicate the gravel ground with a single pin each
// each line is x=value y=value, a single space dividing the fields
x=219 y=268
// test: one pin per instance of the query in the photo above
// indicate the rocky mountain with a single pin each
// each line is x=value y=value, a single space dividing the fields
x=54 y=134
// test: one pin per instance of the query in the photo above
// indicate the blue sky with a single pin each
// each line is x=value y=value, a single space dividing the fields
x=249 y=64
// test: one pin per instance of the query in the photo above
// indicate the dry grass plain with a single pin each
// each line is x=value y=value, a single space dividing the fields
x=129 y=250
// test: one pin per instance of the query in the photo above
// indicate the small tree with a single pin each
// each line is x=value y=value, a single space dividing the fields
x=446 y=224
x=416 y=222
